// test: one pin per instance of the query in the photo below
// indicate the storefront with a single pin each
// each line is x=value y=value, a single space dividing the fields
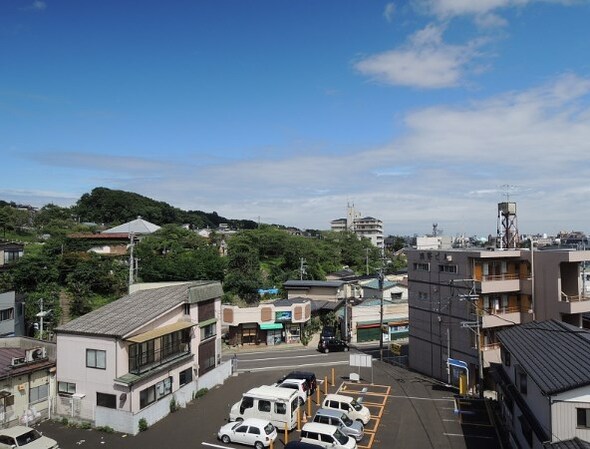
x=274 y=333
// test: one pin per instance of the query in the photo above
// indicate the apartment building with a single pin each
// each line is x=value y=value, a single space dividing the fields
x=459 y=300
x=368 y=227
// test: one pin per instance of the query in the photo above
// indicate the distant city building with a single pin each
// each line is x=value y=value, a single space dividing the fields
x=369 y=227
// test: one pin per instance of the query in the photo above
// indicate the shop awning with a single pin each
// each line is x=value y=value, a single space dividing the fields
x=163 y=330
x=269 y=326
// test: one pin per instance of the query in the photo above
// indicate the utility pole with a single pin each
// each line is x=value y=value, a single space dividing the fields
x=301 y=269
x=381 y=313
x=131 y=262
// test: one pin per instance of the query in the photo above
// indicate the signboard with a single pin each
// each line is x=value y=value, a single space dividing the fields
x=457 y=363
x=283 y=316
x=362 y=360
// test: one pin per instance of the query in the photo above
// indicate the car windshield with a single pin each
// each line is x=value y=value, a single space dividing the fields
x=236 y=425
x=293 y=386
x=269 y=428
x=346 y=420
x=28 y=437
x=340 y=437
x=358 y=407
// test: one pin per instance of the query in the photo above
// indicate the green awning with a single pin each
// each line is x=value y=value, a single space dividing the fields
x=269 y=326
x=207 y=322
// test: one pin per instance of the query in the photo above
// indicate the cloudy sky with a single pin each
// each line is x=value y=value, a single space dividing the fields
x=416 y=111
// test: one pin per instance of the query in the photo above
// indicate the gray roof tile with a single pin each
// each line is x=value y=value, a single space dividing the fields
x=130 y=312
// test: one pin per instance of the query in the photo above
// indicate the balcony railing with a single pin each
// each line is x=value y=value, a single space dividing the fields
x=500 y=277
x=149 y=360
x=503 y=310
x=574 y=298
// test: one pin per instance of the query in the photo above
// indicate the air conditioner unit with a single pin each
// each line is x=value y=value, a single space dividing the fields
x=16 y=361
x=35 y=354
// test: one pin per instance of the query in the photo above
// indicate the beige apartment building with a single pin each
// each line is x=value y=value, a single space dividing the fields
x=459 y=300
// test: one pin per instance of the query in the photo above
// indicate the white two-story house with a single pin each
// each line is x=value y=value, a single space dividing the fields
x=543 y=383
x=129 y=359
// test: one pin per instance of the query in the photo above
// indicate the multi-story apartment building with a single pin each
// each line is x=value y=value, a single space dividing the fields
x=460 y=299
x=368 y=227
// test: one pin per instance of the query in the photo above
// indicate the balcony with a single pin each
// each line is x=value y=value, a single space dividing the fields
x=491 y=354
x=151 y=359
x=574 y=304
x=503 y=316
x=499 y=283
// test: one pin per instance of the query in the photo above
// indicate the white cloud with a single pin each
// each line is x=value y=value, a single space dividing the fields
x=425 y=61
x=389 y=11
x=447 y=9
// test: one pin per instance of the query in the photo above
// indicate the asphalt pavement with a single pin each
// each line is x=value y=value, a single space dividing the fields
x=417 y=413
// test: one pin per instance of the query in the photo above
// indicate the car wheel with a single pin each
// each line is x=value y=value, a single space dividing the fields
x=326 y=351
x=259 y=445
x=225 y=439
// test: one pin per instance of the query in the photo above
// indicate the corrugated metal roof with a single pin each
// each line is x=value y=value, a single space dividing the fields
x=307 y=284
x=574 y=443
x=554 y=354
x=137 y=226
x=123 y=316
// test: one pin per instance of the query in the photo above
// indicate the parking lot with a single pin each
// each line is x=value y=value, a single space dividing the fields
x=408 y=411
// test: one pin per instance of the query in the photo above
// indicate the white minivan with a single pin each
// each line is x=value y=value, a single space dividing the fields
x=326 y=436
x=348 y=405
x=275 y=404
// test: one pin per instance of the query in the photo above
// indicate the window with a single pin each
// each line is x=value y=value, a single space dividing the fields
x=448 y=268
x=264 y=406
x=583 y=417
x=39 y=393
x=66 y=388
x=186 y=376
x=96 y=359
x=421 y=267
x=106 y=400
x=208 y=331
x=155 y=392
x=280 y=408
x=521 y=379
x=254 y=430
x=7 y=314
x=187 y=309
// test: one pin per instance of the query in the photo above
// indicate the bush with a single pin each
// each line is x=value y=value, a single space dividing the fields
x=174 y=405
x=106 y=429
x=86 y=425
x=64 y=421
x=201 y=392
x=143 y=425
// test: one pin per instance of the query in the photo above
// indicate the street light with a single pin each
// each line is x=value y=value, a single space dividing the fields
x=42 y=314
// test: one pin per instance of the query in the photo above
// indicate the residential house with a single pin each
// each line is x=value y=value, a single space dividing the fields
x=27 y=380
x=12 y=314
x=10 y=252
x=267 y=323
x=129 y=359
x=543 y=384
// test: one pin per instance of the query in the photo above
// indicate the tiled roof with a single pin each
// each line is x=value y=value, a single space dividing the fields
x=289 y=302
x=554 y=354
x=130 y=312
x=137 y=226
x=7 y=370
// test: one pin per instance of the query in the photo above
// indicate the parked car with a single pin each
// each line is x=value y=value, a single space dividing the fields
x=299 y=385
x=341 y=420
x=326 y=436
x=307 y=375
x=332 y=345
x=348 y=405
x=251 y=431
x=302 y=445
x=26 y=437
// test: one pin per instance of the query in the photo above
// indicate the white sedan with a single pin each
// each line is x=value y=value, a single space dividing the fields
x=251 y=431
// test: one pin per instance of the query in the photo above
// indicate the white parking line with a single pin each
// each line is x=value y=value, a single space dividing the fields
x=214 y=445
x=468 y=436
x=279 y=358
x=267 y=368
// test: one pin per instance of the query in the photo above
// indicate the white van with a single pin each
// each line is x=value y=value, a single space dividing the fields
x=348 y=405
x=326 y=436
x=275 y=404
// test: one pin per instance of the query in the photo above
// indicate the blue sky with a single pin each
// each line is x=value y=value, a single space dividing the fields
x=416 y=111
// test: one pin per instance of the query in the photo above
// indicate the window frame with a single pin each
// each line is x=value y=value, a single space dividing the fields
x=66 y=391
x=94 y=358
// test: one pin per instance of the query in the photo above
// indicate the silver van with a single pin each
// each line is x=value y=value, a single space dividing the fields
x=341 y=420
